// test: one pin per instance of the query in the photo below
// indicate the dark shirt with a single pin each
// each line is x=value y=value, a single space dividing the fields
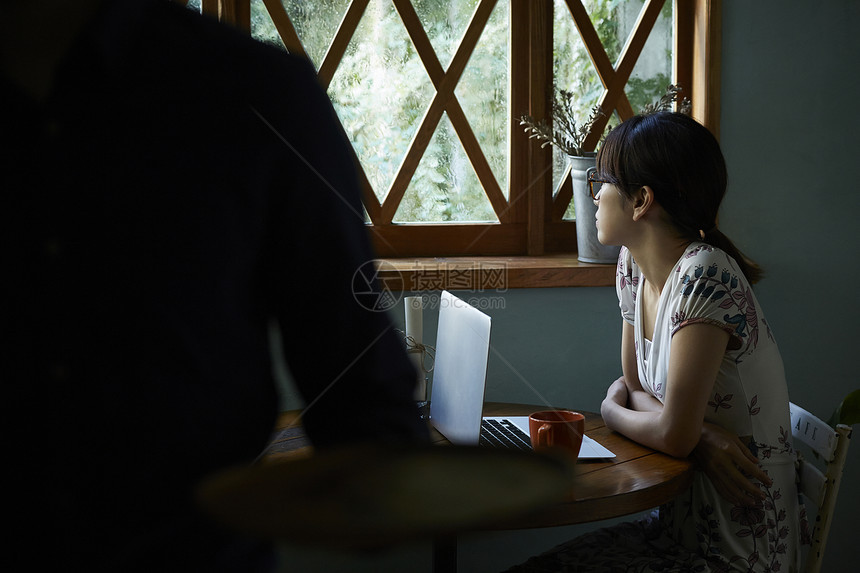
x=182 y=187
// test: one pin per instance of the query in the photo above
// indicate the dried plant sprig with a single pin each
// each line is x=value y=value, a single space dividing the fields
x=539 y=130
x=668 y=100
x=565 y=134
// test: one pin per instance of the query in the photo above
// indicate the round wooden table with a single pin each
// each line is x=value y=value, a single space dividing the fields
x=636 y=480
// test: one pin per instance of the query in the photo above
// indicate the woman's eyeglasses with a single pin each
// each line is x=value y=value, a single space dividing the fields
x=594 y=184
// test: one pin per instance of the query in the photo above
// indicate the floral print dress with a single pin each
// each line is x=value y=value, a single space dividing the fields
x=699 y=530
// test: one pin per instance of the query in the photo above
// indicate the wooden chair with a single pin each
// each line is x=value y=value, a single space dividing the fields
x=819 y=488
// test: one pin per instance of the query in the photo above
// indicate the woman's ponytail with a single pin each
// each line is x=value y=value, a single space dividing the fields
x=716 y=238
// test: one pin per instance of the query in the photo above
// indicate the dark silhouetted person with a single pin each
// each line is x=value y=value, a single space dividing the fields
x=170 y=187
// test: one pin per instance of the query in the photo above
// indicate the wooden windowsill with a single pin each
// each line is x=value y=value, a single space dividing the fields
x=492 y=273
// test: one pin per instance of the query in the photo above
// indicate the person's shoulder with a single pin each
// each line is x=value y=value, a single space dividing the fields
x=206 y=39
x=702 y=254
x=625 y=260
x=703 y=261
x=198 y=54
x=627 y=273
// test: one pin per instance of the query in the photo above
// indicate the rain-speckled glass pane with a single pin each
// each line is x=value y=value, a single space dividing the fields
x=483 y=92
x=445 y=187
x=445 y=23
x=574 y=71
x=262 y=26
x=380 y=91
x=653 y=70
x=315 y=24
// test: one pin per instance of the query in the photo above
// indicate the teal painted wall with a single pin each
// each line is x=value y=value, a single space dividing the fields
x=790 y=128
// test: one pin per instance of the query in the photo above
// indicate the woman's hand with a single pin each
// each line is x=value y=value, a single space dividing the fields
x=618 y=392
x=730 y=465
x=616 y=400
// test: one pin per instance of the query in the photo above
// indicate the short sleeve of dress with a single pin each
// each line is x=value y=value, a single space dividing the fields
x=624 y=285
x=711 y=289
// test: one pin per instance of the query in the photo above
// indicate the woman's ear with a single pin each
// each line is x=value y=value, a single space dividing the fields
x=643 y=202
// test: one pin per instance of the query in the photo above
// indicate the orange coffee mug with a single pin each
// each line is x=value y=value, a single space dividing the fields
x=557 y=429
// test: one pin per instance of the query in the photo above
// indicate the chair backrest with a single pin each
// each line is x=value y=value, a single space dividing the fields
x=820 y=488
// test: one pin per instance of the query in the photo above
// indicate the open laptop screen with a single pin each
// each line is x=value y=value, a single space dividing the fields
x=460 y=371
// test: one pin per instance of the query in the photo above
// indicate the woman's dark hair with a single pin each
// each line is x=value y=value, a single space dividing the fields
x=681 y=161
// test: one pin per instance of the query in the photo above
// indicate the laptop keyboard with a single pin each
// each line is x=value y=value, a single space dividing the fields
x=503 y=434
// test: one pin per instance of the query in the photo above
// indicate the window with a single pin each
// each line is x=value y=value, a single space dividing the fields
x=429 y=92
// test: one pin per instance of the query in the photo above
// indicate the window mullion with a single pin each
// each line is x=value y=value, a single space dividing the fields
x=682 y=49
x=540 y=105
x=520 y=145
x=707 y=31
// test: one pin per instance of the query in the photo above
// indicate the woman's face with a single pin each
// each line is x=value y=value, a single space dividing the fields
x=613 y=215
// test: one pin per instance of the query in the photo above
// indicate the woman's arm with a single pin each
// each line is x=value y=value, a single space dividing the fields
x=697 y=351
x=637 y=398
x=726 y=461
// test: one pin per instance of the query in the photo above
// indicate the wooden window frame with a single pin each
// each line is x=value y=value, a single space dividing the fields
x=531 y=233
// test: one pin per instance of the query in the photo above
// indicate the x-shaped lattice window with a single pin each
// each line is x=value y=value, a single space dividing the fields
x=614 y=78
x=517 y=209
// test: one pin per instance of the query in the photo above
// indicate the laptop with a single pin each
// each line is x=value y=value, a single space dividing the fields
x=459 y=380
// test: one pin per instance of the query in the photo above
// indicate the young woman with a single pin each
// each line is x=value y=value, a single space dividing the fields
x=702 y=371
